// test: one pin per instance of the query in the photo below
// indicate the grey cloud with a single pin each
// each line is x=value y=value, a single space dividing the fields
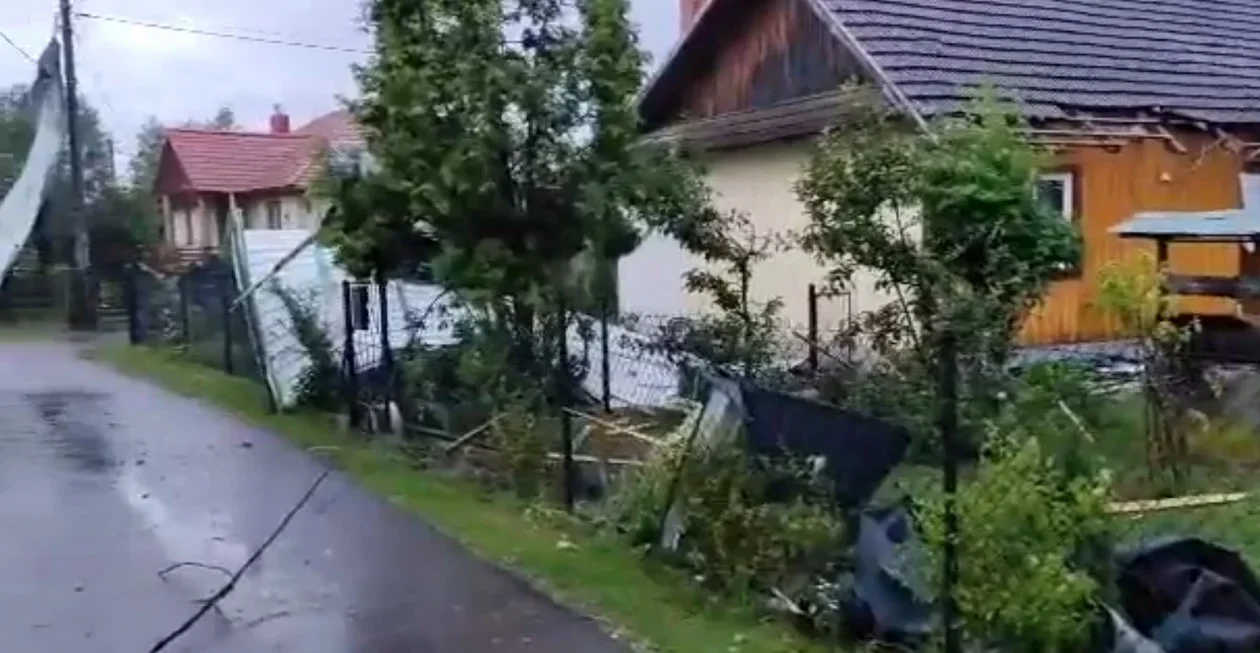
x=130 y=73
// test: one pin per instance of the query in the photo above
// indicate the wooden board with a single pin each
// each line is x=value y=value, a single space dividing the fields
x=1143 y=175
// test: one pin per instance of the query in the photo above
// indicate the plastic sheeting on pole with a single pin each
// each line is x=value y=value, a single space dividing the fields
x=20 y=207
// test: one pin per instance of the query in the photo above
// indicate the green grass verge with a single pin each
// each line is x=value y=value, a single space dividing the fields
x=656 y=607
x=33 y=331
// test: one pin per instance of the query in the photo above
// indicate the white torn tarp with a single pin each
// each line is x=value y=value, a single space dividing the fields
x=20 y=206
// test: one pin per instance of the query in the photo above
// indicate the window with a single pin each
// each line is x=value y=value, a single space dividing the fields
x=189 y=240
x=1058 y=191
x=273 y=214
x=1250 y=182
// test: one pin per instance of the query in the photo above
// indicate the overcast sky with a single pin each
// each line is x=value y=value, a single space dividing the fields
x=131 y=72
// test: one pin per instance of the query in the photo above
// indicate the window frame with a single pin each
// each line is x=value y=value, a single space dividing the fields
x=1070 y=176
x=279 y=214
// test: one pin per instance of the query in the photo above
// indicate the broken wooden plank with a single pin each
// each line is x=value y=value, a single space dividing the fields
x=1214 y=286
x=1175 y=503
x=471 y=435
x=614 y=427
x=583 y=458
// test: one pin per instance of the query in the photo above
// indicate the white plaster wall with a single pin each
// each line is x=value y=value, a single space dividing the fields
x=294 y=212
x=650 y=279
x=188 y=228
x=758 y=181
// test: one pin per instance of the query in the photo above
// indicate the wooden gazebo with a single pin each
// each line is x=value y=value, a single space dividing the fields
x=1221 y=338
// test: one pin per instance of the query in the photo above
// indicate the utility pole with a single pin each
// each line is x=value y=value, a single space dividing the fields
x=82 y=313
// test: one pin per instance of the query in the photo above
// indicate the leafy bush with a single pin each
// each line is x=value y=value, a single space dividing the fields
x=522 y=435
x=319 y=385
x=1132 y=292
x=739 y=538
x=740 y=533
x=1022 y=524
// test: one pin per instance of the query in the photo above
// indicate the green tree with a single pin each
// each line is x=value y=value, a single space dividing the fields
x=17 y=130
x=143 y=165
x=120 y=217
x=224 y=118
x=948 y=220
x=949 y=223
x=505 y=133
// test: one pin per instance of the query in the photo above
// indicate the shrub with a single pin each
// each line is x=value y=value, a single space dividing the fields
x=521 y=436
x=740 y=532
x=320 y=382
x=1022 y=523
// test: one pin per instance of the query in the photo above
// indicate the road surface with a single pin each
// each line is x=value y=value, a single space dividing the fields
x=105 y=480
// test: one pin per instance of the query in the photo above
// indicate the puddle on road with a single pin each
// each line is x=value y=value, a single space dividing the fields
x=75 y=423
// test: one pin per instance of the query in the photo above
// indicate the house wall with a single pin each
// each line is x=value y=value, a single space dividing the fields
x=192 y=225
x=1144 y=175
x=295 y=212
x=758 y=181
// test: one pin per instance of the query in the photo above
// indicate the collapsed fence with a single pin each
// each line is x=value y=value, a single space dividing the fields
x=630 y=402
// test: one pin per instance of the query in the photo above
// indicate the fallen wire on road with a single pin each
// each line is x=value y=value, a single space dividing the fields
x=200 y=565
x=213 y=601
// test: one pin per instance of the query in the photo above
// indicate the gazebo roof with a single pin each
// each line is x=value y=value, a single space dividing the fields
x=1230 y=225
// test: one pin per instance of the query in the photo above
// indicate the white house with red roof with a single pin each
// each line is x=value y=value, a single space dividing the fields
x=264 y=177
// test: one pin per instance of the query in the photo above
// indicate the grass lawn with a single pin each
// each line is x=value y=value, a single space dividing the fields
x=32 y=331
x=656 y=607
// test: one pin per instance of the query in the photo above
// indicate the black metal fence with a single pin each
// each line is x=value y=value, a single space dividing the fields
x=195 y=312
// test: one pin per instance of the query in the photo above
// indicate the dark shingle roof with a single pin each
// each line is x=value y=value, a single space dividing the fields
x=1197 y=58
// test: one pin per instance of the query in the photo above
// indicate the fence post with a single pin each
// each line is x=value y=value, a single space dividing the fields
x=131 y=299
x=605 y=363
x=225 y=309
x=813 y=328
x=347 y=354
x=387 y=353
x=948 y=423
x=566 y=419
x=184 y=309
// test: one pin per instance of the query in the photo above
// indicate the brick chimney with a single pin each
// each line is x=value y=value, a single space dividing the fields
x=688 y=10
x=279 y=121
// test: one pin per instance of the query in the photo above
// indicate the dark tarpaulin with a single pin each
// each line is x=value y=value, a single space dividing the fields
x=1191 y=596
x=883 y=603
x=886 y=602
x=859 y=451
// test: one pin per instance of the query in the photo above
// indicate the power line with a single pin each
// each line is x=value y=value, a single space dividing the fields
x=17 y=47
x=97 y=84
x=222 y=35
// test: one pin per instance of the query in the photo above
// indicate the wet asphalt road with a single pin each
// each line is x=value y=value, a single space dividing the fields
x=105 y=480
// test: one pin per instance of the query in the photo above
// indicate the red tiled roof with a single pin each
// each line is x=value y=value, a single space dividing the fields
x=337 y=127
x=240 y=162
x=236 y=162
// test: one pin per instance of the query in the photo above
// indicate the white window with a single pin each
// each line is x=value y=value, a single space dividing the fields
x=1058 y=190
x=1250 y=190
x=273 y=214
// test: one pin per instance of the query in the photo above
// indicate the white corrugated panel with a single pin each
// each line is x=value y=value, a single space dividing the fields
x=313 y=277
x=637 y=377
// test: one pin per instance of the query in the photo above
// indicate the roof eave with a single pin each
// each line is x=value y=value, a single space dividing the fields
x=659 y=82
